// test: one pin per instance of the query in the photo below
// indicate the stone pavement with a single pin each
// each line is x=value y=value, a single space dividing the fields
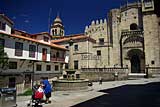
x=70 y=98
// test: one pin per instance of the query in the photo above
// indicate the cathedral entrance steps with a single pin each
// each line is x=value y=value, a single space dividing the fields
x=136 y=75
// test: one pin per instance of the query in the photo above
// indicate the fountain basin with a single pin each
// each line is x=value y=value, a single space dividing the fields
x=70 y=85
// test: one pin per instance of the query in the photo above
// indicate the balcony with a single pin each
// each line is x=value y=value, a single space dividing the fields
x=57 y=59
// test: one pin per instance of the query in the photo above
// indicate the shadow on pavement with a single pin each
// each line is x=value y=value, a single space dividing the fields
x=147 y=95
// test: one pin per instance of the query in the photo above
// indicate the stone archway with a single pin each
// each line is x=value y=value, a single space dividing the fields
x=136 y=57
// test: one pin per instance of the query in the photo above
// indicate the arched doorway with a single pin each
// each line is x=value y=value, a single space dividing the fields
x=135 y=64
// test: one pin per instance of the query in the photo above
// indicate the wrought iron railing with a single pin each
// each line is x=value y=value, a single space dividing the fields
x=57 y=59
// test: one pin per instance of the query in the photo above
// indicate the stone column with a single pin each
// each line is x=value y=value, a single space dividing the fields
x=71 y=66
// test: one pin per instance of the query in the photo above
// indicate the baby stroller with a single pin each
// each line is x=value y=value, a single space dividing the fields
x=36 y=98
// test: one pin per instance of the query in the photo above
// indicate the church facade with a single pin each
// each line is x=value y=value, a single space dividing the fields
x=128 y=40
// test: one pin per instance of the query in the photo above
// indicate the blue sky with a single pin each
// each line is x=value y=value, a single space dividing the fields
x=33 y=15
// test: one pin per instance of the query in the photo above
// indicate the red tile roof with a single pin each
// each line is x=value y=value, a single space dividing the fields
x=74 y=37
x=6 y=18
x=36 y=41
x=42 y=33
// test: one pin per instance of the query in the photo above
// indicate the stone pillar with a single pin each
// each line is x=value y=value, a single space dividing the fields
x=71 y=66
x=152 y=41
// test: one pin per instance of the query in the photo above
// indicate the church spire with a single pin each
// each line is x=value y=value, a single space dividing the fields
x=57 y=28
x=58 y=16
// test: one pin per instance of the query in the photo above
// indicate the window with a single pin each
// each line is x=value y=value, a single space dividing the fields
x=48 y=68
x=57 y=54
x=52 y=32
x=133 y=26
x=44 y=54
x=12 y=65
x=62 y=32
x=76 y=47
x=12 y=82
x=1 y=42
x=125 y=13
x=2 y=26
x=56 y=67
x=98 y=53
x=18 y=49
x=66 y=66
x=152 y=62
x=76 y=64
x=32 y=50
x=101 y=41
x=46 y=39
x=67 y=47
x=52 y=54
x=55 y=32
x=38 y=67
x=148 y=3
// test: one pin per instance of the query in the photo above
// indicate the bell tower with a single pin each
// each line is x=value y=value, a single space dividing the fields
x=57 y=28
x=151 y=33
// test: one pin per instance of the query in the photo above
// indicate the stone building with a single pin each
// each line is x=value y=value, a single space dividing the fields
x=127 y=41
x=98 y=31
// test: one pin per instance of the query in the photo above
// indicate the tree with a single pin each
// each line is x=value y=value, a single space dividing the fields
x=3 y=59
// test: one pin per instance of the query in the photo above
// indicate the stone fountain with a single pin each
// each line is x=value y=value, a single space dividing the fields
x=71 y=78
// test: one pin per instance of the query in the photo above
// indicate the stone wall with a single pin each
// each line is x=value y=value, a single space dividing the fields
x=106 y=76
x=151 y=40
x=114 y=35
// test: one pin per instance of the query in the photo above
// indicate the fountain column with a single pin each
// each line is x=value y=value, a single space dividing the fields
x=71 y=71
x=71 y=66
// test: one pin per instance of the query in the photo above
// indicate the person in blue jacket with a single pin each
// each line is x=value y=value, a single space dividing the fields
x=47 y=89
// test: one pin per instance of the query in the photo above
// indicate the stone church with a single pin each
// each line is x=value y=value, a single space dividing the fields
x=127 y=42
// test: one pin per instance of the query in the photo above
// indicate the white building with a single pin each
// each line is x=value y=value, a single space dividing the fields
x=31 y=56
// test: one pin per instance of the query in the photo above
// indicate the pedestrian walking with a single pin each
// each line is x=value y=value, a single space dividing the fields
x=47 y=89
x=100 y=80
